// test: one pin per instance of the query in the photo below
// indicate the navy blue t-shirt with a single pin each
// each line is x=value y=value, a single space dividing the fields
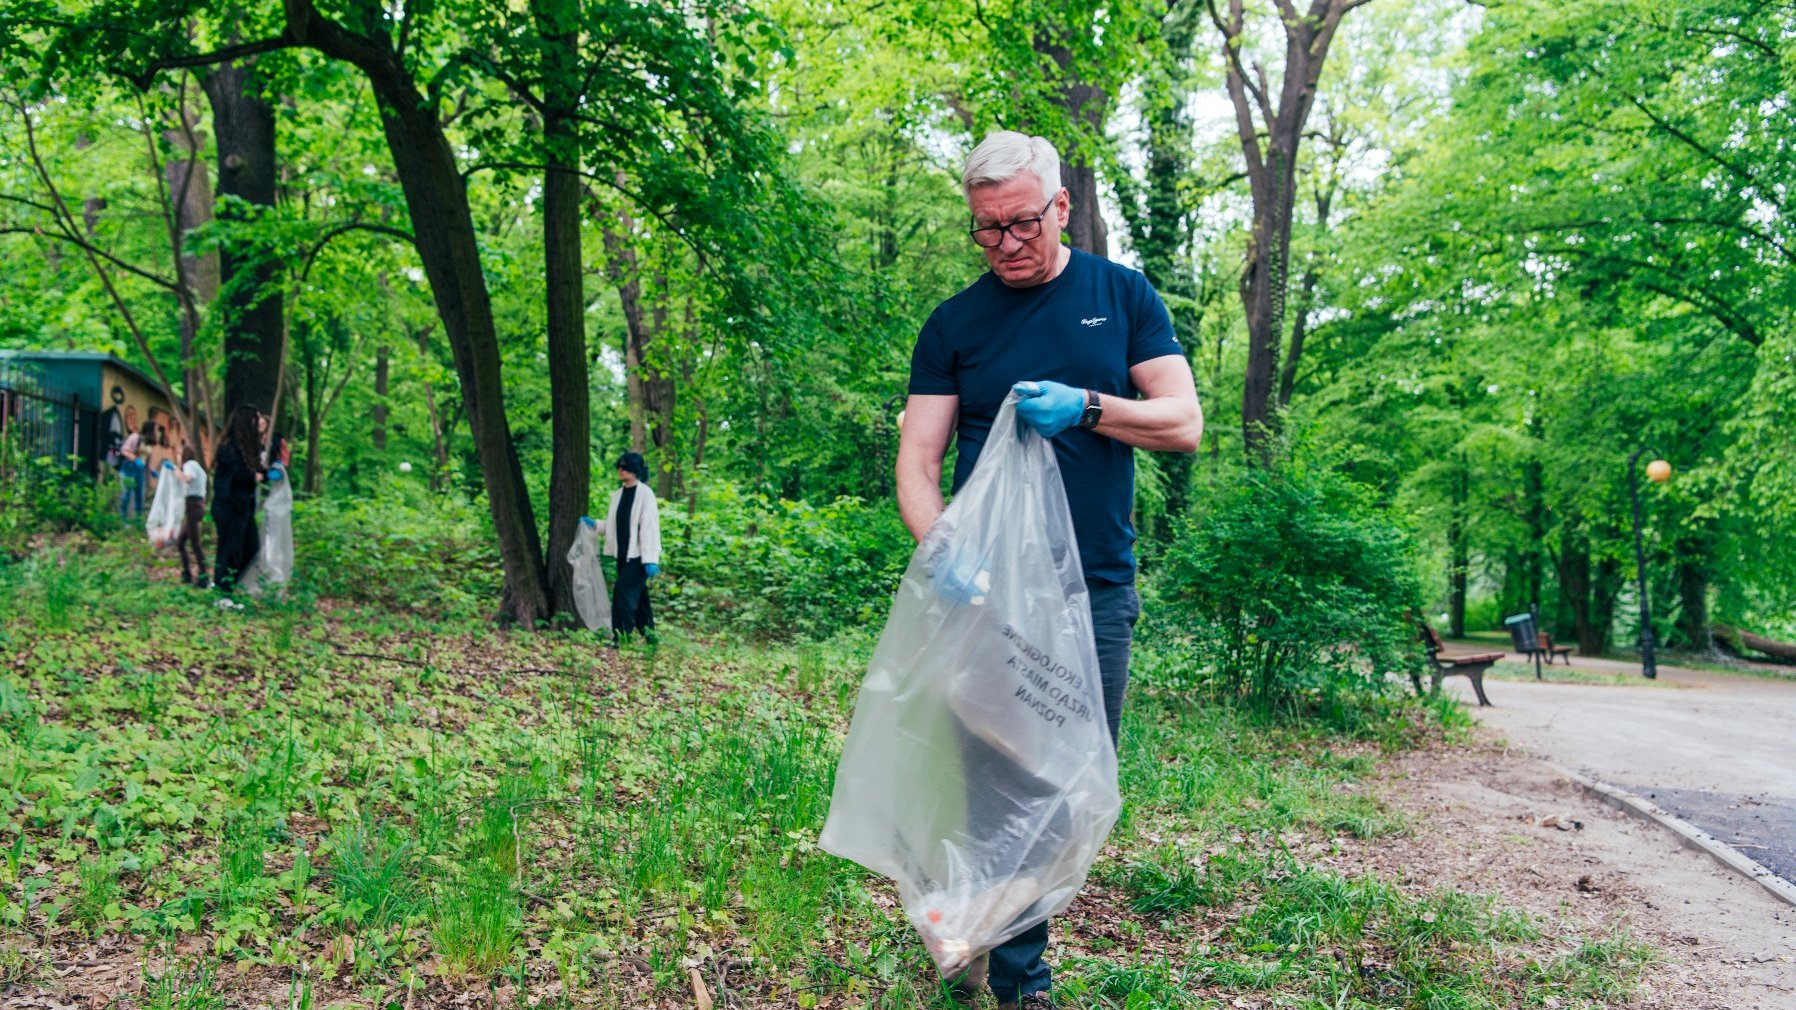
x=1086 y=328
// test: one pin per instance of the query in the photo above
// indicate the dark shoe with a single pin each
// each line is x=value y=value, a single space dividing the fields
x=1033 y=1001
x=971 y=982
x=186 y=576
x=203 y=582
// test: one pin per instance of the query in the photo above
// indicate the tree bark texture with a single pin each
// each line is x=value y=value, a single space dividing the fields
x=190 y=193
x=1270 y=136
x=254 y=341
x=1085 y=106
x=570 y=472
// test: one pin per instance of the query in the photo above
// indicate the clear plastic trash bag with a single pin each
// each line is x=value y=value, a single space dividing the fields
x=590 y=598
x=273 y=563
x=167 y=508
x=978 y=772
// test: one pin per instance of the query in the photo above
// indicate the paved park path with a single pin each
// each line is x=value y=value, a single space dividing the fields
x=1718 y=750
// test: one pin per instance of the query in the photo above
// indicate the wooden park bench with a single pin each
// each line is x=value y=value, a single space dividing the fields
x=1547 y=646
x=1471 y=664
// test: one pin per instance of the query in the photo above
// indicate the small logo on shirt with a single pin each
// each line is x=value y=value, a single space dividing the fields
x=1095 y=320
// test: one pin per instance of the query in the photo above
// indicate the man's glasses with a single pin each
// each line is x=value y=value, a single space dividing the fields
x=1026 y=230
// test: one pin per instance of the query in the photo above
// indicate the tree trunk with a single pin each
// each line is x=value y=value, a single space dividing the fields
x=1272 y=179
x=1459 y=554
x=1574 y=589
x=1533 y=557
x=436 y=420
x=190 y=192
x=1603 y=594
x=243 y=124
x=1736 y=639
x=1085 y=106
x=649 y=392
x=1692 y=553
x=313 y=412
x=570 y=471
x=382 y=358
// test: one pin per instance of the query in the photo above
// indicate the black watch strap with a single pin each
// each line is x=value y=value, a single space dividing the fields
x=1094 y=410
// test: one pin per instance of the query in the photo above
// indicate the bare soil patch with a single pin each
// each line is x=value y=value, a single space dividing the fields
x=1488 y=819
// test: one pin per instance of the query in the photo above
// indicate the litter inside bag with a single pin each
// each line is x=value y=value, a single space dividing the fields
x=590 y=598
x=273 y=563
x=978 y=772
x=163 y=520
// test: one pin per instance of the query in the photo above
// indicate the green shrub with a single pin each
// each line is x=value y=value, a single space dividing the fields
x=39 y=494
x=772 y=568
x=1294 y=587
x=403 y=548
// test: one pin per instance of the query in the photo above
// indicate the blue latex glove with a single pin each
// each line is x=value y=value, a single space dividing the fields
x=167 y=465
x=1049 y=407
x=275 y=473
x=652 y=570
x=590 y=523
x=959 y=578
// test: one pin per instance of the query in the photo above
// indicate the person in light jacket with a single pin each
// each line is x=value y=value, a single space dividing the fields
x=632 y=530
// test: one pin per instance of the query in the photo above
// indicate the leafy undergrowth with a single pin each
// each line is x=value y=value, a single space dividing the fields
x=304 y=804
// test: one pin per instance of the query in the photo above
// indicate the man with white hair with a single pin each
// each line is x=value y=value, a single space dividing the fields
x=1089 y=347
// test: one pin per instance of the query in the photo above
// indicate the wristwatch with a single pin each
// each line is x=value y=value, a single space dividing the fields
x=1094 y=410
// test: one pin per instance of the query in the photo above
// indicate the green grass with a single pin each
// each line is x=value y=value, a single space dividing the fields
x=386 y=803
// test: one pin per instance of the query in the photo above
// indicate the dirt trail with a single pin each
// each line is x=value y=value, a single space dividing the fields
x=1712 y=748
x=1477 y=813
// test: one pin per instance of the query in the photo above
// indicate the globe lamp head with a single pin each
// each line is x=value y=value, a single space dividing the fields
x=1658 y=471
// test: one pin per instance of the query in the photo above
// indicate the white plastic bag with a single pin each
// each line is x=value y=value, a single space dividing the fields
x=273 y=563
x=163 y=520
x=978 y=772
x=590 y=598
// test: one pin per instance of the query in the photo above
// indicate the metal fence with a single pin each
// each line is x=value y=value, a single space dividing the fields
x=43 y=419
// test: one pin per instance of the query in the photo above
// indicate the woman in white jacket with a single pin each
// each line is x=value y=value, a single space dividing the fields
x=632 y=530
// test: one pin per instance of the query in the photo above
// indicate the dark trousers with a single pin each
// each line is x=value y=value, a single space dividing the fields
x=1016 y=966
x=238 y=543
x=630 y=610
x=192 y=529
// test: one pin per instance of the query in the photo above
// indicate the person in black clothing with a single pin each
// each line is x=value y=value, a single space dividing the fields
x=236 y=469
x=632 y=531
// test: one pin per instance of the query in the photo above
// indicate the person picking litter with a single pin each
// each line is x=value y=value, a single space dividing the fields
x=1086 y=348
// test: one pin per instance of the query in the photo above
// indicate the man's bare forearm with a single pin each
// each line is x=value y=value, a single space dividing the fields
x=919 y=495
x=1162 y=424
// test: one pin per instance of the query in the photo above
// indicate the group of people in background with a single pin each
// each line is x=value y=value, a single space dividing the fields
x=244 y=458
x=632 y=525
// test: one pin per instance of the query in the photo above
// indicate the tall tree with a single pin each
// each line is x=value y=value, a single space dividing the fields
x=1271 y=129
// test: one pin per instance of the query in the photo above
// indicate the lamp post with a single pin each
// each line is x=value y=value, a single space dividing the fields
x=1658 y=471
